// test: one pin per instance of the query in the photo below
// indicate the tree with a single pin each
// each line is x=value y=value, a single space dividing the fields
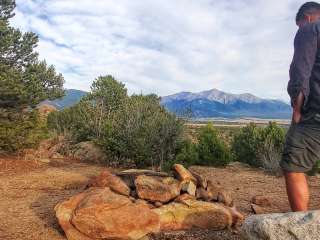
x=24 y=80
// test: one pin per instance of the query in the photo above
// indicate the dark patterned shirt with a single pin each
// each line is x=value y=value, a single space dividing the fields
x=305 y=67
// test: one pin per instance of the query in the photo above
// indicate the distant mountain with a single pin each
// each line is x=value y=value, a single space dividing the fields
x=72 y=97
x=216 y=103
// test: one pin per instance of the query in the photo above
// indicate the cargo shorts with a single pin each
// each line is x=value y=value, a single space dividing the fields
x=302 y=145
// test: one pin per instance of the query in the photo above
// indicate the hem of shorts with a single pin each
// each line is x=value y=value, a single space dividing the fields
x=292 y=168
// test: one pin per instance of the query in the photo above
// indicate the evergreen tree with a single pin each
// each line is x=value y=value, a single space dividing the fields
x=25 y=81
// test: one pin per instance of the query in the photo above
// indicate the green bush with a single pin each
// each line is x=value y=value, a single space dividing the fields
x=246 y=143
x=260 y=147
x=270 y=150
x=19 y=131
x=211 y=149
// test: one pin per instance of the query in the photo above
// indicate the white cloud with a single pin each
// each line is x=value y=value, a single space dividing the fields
x=165 y=46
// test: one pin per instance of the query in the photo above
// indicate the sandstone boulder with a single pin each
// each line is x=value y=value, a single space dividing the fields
x=196 y=214
x=107 y=179
x=157 y=189
x=99 y=213
x=189 y=187
x=286 y=226
x=184 y=174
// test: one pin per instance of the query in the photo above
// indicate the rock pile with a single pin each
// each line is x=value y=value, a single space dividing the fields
x=134 y=203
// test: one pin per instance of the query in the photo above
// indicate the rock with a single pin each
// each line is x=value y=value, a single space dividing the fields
x=157 y=189
x=213 y=191
x=202 y=182
x=184 y=197
x=64 y=213
x=107 y=179
x=158 y=204
x=99 y=213
x=195 y=214
x=88 y=152
x=183 y=174
x=189 y=187
x=256 y=209
x=225 y=198
x=285 y=226
x=129 y=176
x=202 y=194
x=261 y=201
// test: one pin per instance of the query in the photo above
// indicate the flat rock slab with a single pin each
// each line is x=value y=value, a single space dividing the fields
x=285 y=226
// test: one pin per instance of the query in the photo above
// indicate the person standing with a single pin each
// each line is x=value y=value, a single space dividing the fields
x=302 y=145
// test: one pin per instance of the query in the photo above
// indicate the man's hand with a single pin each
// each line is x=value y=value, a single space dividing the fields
x=296 y=116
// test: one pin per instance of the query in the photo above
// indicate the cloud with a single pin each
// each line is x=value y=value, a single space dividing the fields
x=167 y=46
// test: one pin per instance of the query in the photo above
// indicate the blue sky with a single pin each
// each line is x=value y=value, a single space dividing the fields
x=167 y=46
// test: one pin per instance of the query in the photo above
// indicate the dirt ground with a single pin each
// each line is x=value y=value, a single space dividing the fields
x=30 y=190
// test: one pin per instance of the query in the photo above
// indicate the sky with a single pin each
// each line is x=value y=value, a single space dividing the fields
x=167 y=46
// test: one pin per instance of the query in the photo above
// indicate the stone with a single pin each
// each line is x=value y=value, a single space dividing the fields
x=88 y=152
x=282 y=226
x=213 y=191
x=157 y=189
x=64 y=213
x=184 y=197
x=202 y=194
x=225 y=198
x=261 y=201
x=107 y=179
x=158 y=204
x=202 y=182
x=189 y=187
x=99 y=213
x=195 y=214
x=183 y=174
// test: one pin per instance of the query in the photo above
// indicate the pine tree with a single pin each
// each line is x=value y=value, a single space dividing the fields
x=25 y=81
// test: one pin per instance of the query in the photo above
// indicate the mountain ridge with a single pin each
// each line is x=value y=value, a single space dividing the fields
x=205 y=104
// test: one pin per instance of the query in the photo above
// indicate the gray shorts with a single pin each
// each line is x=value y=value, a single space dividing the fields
x=302 y=145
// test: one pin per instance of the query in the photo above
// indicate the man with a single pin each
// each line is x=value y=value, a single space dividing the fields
x=302 y=147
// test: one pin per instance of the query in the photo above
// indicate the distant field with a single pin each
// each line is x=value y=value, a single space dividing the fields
x=239 y=122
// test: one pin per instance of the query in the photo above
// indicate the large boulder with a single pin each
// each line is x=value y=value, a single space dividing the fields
x=88 y=152
x=184 y=174
x=191 y=214
x=99 y=213
x=107 y=179
x=157 y=189
x=285 y=226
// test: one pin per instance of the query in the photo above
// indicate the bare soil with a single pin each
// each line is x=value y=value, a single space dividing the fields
x=29 y=190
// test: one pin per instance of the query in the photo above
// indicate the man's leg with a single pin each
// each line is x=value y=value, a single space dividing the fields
x=297 y=190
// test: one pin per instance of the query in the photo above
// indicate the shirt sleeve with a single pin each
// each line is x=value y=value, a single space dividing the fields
x=305 y=52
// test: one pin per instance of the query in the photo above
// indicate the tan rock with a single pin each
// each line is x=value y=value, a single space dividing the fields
x=202 y=182
x=64 y=213
x=99 y=213
x=225 y=198
x=195 y=214
x=157 y=189
x=158 y=204
x=261 y=201
x=184 y=197
x=213 y=191
x=202 y=194
x=189 y=187
x=183 y=173
x=107 y=179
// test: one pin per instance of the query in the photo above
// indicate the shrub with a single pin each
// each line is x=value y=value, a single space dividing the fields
x=246 y=143
x=270 y=151
x=19 y=131
x=212 y=150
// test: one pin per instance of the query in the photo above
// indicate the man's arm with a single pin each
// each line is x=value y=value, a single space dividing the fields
x=305 y=52
x=297 y=107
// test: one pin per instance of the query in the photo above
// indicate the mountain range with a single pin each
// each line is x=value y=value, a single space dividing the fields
x=205 y=104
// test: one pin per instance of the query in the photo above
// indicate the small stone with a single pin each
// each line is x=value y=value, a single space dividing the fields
x=202 y=194
x=189 y=187
x=225 y=198
x=261 y=201
x=184 y=174
x=158 y=204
